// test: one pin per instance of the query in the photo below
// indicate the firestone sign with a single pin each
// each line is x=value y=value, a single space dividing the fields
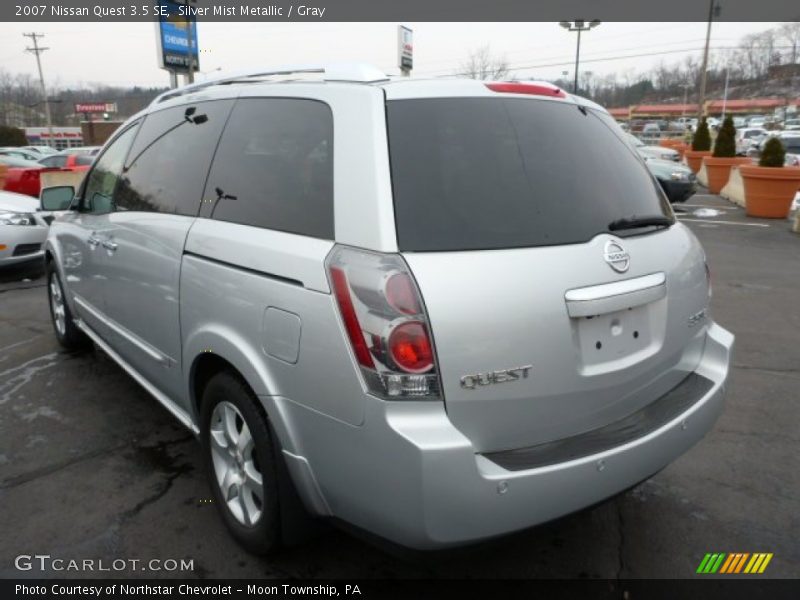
x=95 y=107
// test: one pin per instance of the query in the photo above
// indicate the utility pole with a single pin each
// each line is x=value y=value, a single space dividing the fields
x=36 y=51
x=190 y=37
x=713 y=9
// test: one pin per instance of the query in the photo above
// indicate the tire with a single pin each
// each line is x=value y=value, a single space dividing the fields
x=67 y=333
x=235 y=461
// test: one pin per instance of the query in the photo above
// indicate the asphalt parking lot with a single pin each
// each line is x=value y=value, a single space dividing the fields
x=92 y=467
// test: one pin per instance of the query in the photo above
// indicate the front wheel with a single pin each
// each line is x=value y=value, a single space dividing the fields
x=67 y=333
x=240 y=462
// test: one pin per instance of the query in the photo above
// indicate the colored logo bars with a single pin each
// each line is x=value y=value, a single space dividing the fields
x=735 y=562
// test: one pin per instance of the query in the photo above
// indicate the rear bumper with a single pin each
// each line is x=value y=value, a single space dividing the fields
x=409 y=476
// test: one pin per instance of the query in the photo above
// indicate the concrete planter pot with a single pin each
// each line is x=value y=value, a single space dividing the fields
x=719 y=169
x=769 y=191
x=694 y=158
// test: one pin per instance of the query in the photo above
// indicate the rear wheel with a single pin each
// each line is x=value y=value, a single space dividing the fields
x=240 y=462
x=67 y=333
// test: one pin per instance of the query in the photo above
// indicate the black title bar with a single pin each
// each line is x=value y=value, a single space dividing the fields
x=404 y=10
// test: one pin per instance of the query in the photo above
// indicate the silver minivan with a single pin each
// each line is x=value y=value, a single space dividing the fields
x=438 y=311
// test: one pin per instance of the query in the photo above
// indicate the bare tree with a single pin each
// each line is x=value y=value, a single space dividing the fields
x=790 y=33
x=482 y=65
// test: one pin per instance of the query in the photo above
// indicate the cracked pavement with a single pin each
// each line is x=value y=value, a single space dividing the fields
x=92 y=467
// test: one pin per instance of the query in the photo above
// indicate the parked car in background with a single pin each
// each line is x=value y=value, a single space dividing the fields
x=687 y=123
x=792 y=160
x=42 y=150
x=791 y=125
x=747 y=137
x=21 y=153
x=313 y=305
x=739 y=122
x=790 y=140
x=77 y=161
x=713 y=122
x=758 y=121
x=651 y=131
x=23 y=229
x=653 y=151
x=23 y=177
x=678 y=182
x=16 y=162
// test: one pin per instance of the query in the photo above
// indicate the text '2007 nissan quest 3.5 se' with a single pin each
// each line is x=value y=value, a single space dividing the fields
x=407 y=302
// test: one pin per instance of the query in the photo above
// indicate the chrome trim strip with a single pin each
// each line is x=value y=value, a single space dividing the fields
x=165 y=401
x=149 y=350
x=619 y=295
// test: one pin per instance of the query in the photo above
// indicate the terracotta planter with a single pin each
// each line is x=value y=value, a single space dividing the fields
x=694 y=158
x=3 y=170
x=668 y=142
x=769 y=191
x=719 y=169
x=681 y=148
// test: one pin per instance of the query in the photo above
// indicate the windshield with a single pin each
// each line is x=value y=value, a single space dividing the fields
x=485 y=173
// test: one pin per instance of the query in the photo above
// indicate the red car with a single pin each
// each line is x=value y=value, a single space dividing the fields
x=74 y=162
x=25 y=179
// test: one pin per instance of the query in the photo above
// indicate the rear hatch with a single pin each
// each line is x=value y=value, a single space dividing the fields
x=547 y=320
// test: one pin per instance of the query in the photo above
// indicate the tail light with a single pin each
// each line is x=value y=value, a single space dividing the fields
x=385 y=321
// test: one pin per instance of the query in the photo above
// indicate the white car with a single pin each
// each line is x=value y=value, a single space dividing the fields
x=791 y=125
x=658 y=152
x=23 y=229
x=748 y=137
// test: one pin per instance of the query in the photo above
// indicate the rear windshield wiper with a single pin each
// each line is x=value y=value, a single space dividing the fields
x=634 y=222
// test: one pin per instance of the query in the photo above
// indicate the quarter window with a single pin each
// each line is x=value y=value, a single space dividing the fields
x=274 y=167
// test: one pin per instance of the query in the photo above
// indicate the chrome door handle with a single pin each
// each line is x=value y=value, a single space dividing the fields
x=93 y=241
x=109 y=245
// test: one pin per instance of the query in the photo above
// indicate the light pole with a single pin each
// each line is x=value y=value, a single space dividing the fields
x=713 y=11
x=579 y=26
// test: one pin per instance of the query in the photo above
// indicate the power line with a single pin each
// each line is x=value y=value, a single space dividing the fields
x=36 y=51
x=446 y=73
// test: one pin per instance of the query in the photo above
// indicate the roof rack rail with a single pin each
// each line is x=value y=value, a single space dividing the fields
x=352 y=72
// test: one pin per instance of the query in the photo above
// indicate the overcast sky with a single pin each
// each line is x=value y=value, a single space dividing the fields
x=124 y=53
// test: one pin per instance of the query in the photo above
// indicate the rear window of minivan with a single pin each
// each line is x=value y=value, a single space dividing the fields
x=488 y=173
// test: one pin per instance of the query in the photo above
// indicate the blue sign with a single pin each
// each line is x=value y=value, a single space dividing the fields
x=175 y=30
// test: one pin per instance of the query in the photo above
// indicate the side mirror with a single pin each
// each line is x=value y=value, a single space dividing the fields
x=58 y=197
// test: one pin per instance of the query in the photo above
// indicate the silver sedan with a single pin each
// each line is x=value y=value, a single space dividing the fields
x=23 y=229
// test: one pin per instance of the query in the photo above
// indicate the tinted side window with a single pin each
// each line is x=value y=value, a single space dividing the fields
x=54 y=161
x=274 y=167
x=98 y=192
x=168 y=163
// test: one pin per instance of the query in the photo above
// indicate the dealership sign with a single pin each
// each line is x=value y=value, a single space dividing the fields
x=175 y=33
x=405 y=48
x=95 y=107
